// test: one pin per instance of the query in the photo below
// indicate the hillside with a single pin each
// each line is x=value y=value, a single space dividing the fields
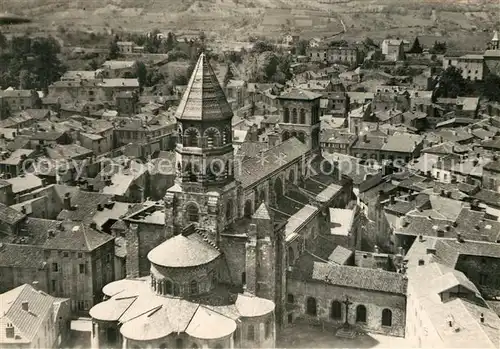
x=236 y=19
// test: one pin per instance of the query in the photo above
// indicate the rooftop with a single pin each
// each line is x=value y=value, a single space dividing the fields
x=203 y=98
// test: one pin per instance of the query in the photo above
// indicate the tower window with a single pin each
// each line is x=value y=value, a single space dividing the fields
x=294 y=116
x=192 y=213
x=250 y=333
x=286 y=115
x=212 y=136
x=191 y=137
x=229 y=210
x=193 y=287
x=302 y=116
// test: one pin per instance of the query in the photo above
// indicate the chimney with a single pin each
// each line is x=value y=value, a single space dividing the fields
x=100 y=207
x=25 y=306
x=482 y=318
x=401 y=251
x=364 y=138
x=392 y=199
x=50 y=234
x=443 y=193
x=420 y=238
x=67 y=201
x=375 y=248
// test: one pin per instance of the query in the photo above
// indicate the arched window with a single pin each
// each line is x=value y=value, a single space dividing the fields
x=291 y=256
x=360 y=313
x=248 y=209
x=285 y=136
x=243 y=278
x=386 y=317
x=250 y=333
x=194 y=346
x=290 y=298
x=278 y=187
x=179 y=168
x=178 y=343
x=192 y=213
x=169 y=287
x=294 y=134
x=212 y=135
x=302 y=137
x=262 y=196
x=226 y=136
x=177 y=290
x=302 y=116
x=229 y=210
x=336 y=311
x=294 y=116
x=286 y=115
x=218 y=346
x=268 y=329
x=191 y=137
x=291 y=176
x=179 y=134
x=311 y=306
x=193 y=287
x=163 y=346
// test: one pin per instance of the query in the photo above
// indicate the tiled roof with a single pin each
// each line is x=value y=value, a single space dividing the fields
x=84 y=206
x=427 y=282
x=67 y=151
x=27 y=324
x=76 y=237
x=203 y=98
x=340 y=255
x=9 y=216
x=255 y=169
x=36 y=229
x=181 y=251
x=360 y=278
x=21 y=256
x=300 y=94
x=489 y=197
x=24 y=182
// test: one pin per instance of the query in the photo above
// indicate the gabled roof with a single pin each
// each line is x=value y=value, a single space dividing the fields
x=300 y=94
x=76 y=237
x=26 y=323
x=203 y=98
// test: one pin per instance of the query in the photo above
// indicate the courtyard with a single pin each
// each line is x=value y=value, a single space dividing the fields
x=306 y=336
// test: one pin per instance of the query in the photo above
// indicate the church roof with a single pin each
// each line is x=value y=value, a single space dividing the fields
x=181 y=252
x=203 y=98
x=262 y=212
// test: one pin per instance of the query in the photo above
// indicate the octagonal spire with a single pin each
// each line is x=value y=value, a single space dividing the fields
x=203 y=98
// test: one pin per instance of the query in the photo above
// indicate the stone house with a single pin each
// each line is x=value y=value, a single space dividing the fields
x=374 y=300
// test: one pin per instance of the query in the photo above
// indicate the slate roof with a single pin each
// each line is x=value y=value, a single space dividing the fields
x=27 y=324
x=21 y=256
x=203 y=98
x=76 y=237
x=181 y=251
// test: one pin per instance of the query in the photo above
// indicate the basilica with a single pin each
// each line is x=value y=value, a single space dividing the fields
x=209 y=266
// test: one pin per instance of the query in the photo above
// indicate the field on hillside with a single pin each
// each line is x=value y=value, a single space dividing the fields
x=237 y=19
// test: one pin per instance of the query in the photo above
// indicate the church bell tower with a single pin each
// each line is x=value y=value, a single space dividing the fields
x=205 y=192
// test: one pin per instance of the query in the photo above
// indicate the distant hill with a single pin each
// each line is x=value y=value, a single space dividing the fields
x=237 y=19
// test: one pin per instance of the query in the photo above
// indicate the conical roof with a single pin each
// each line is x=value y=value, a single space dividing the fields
x=203 y=98
x=495 y=36
x=262 y=213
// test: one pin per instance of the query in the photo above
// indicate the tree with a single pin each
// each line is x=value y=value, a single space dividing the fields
x=438 y=48
x=262 y=46
x=491 y=87
x=27 y=80
x=451 y=84
x=416 y=47
x=229 y=74
x=114 y=50
x=301 y=47
x=3 y=41
x=142 y=73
